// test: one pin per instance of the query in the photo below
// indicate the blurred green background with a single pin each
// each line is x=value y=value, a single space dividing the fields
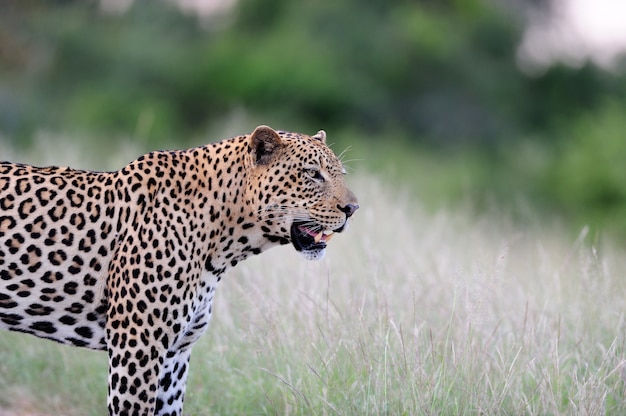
x=427 y=93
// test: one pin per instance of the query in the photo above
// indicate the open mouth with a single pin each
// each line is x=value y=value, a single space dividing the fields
x=309 y=237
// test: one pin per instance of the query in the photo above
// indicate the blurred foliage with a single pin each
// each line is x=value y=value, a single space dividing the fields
x=434 y=80
x=590 y=176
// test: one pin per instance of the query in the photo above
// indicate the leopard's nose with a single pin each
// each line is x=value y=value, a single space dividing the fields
x=348 y=209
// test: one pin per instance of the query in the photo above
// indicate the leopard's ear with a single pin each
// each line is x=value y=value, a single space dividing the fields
x=320 y=135
x=263 y=144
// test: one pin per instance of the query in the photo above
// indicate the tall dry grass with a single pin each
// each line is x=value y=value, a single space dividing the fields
x=413 y=313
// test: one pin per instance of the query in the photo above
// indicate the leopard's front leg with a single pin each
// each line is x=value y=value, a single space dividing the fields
x=172 y=383
x=145 y=380
x=146 y=318
x=133 y=377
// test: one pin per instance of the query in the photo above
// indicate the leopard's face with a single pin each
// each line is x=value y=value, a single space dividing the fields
x=301 y=195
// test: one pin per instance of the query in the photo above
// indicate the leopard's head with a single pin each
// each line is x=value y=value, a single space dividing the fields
x=298 y=189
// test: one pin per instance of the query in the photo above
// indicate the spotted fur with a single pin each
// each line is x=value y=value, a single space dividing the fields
x=128 y=261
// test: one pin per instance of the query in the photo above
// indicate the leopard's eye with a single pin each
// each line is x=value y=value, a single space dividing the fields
x=314 y=174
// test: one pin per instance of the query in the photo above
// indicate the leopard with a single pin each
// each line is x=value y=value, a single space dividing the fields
x=128 y=261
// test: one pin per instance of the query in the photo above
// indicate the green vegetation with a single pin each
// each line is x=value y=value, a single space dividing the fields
x=436 y=80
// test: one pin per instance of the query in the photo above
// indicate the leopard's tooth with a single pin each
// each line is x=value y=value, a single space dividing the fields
x=329 y=236
x=318 y=237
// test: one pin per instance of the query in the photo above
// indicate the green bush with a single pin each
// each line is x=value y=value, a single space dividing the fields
x=588 y=175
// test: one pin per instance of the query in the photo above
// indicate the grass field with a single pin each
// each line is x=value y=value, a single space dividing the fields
x=410 y=313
